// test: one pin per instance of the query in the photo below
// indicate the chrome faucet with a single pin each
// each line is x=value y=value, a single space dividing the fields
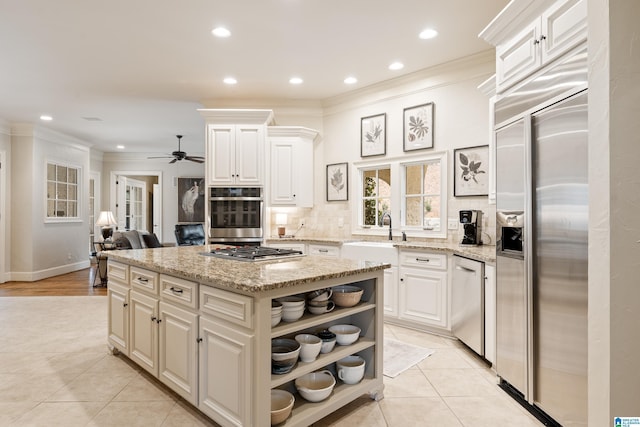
x=387 y=214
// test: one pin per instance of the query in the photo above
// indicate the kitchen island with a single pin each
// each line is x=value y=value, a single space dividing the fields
x=202 y=326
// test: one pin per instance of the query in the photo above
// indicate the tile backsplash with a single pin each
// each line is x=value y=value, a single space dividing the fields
x=334 y=221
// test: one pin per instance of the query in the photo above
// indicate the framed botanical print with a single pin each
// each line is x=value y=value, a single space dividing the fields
x=373 y=135
x=418 y=127
x=470 y=166
x=337 y=182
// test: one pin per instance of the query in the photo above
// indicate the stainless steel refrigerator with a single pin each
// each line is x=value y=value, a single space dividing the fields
x=541 y=265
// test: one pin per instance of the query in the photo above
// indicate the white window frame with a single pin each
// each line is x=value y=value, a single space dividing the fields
x=79 y=199
x=396 y=165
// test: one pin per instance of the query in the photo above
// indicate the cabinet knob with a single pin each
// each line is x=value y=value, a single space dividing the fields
x=154 y=318
x=402 y=279
x=543 y=38
x=536 y=41
x=125 y=304
x=199 y=340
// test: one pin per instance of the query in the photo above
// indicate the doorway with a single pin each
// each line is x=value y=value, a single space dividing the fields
x=135 y=200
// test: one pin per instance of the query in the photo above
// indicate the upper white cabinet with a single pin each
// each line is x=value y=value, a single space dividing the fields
x=291 y=165
x=522 y=47
x=235 y=154
x=235 y=146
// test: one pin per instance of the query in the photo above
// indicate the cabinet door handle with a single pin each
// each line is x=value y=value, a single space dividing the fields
x=143 y=279
x=125 y=304
x=324 y=251
x=422 y=259
x=536 y=41
x=154 y=318
x=158 y=321
x=199 y=340
x=543 y=38
x=459 y=267
x=176 y=290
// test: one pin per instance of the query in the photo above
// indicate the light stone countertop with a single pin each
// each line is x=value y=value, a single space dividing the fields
x=251 y=277
x=484 y=253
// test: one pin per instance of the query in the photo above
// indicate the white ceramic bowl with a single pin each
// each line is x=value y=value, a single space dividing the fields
x=315 y=386
x=281 y=405
x=275 y=319
x=310 y=346
x=291 y=315
x=346 y=295
x=345 y=334
x=291 y=301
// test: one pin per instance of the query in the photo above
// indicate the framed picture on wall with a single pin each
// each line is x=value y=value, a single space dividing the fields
x=373 y=135
x=337 y=182
x=470 y=167
x=418 y=127
x=191 y=199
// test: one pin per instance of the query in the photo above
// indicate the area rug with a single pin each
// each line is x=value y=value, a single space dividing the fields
x=400 y=356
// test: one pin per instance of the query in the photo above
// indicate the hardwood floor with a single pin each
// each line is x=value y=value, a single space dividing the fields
x=77 y=283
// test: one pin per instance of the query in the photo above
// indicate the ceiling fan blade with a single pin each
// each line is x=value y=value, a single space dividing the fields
x=195 y=159
x=173 y=161
x=160 y=157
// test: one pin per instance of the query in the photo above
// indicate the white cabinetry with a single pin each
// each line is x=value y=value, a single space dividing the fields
x=225 y=356
x=118 y=301
x=323 y=250
x=547 y=36
x=144 y=331
x=291 y=165
x=235 y=154
x=391 y=291
x=423 y=294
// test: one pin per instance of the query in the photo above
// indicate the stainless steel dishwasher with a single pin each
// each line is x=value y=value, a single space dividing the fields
x=467 y=302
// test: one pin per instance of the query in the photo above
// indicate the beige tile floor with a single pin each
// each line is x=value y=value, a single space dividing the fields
x=55 y=371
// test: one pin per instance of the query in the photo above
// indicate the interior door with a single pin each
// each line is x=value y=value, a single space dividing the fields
x=131 y=204
x=157 y=212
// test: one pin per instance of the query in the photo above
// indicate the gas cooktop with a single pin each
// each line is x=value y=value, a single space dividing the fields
x=253 y=253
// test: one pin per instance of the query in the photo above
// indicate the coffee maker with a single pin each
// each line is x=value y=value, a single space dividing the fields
x=471 y=221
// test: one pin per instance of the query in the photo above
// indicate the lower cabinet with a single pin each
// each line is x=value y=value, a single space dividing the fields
x=143 y=336
x=225 y=373
x=118 y=317
x=391 y=292
x=178 y=351
x=423 y=293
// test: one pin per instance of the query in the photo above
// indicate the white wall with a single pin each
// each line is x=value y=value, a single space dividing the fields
x=40 y=249
x=461 y=115
x=5 y=197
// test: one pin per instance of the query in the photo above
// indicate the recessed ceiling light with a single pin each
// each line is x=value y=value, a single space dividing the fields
x=230 y=80
x=120 y=147
x=429 y=33
x=46 y=118
x=350 y=80
x=221 y=32
x=396 y=66
x=295 y=80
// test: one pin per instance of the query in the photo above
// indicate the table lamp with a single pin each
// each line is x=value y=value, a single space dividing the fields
x=281 y=221
x=106 y=220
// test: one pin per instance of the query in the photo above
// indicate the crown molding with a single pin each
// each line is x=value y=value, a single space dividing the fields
x=39 y=132
x=292 y=131
x=516 y=15
x=488 y=87
x=236 y=116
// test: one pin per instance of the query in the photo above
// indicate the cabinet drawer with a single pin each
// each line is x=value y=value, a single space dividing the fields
x=424 y=260
x=118 y=272
x=145 y=280
x=322 y=250
x=179 y=290
x=225 y=305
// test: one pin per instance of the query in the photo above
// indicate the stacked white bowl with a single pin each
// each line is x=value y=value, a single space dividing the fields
x=292 y=307
x=276 y=312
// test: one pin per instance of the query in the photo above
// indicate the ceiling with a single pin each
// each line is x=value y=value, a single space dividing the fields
x=134 y=72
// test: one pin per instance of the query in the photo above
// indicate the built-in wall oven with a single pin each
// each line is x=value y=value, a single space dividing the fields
x=235 y=215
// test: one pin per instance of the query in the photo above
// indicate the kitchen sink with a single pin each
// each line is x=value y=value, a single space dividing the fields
x=371 y=251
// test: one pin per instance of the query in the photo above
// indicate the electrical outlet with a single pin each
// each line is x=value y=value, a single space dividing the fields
x=453 y=224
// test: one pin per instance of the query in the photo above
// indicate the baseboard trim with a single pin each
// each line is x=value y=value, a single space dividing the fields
x=32 y=276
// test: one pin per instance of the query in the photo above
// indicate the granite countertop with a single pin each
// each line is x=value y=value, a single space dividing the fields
x=251 y=277
x=484 y=253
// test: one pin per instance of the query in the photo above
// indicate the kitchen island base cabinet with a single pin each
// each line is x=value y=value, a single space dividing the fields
x=118 y=329
x=143 y=336
x=225 y=373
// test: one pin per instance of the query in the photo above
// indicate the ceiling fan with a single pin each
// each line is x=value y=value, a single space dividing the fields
x=180 y=155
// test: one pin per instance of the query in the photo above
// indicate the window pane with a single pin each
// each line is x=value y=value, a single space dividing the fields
x=414 y=179
x=72 y=209
x=61 y=174
x=51 y=190
x=384 y=182
x=369 y=184
x=61 y=208
x=61 y=191
x=51 y=172
x=51 y=208
x=73 y=176
x=432 y=213
x=73 y=192
x=369 y=210
x=432 y=178
x=413 y=214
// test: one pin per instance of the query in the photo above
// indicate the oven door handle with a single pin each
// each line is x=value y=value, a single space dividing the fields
x=235 y=199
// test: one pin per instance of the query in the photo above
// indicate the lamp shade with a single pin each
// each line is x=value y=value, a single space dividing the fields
x=281 y=219
x=106 y=219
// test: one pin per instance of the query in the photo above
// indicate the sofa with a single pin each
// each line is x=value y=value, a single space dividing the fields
x=135 y=239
